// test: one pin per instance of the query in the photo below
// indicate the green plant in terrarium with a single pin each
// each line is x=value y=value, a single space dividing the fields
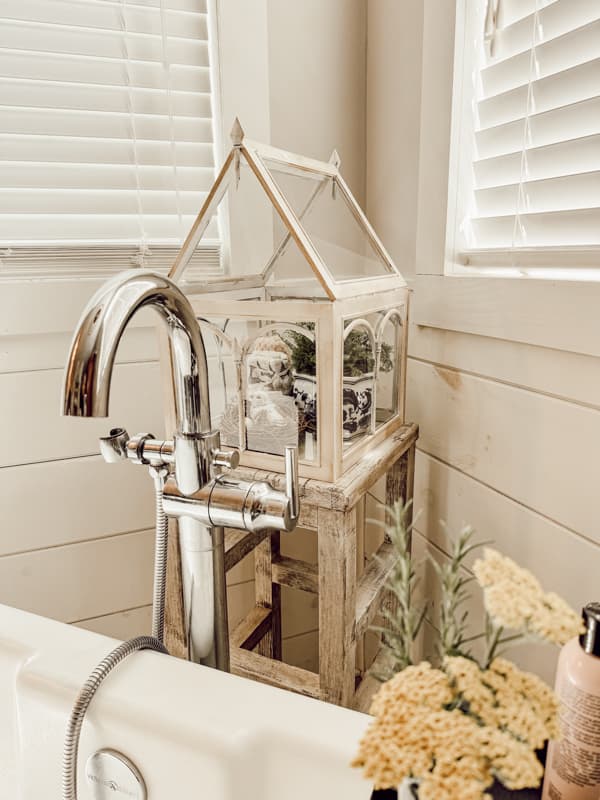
x=304 y=351
x=358 y=353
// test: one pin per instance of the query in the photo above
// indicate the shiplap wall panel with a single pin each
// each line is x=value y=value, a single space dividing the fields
x=71 y=500
x=81 y=581
x=122 y=624
x=570 y=376
x=137 y=621
x=561 y=315
x=537 y=543
x=31 y=400
x=533 y=448
x=22 y=353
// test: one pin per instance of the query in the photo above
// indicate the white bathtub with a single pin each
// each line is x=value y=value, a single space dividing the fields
x=192 y=732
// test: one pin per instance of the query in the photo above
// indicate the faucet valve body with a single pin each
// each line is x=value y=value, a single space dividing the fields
x=223 y=501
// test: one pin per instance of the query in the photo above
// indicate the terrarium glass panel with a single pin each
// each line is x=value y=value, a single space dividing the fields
x=280 y=402
x=275 y=365
x=357 y=380
x=221 y=340
x=327 y=216
x=254 y=236
x=388 y=330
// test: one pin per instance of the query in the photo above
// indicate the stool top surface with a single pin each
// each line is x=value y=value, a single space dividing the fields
x=345 y=492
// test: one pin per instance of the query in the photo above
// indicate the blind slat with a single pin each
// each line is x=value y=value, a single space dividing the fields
x=113 y=202
x=21 y=229
x=79 y=97
x=569 y=157
x=72 y=69
x=42 y=38
x=564 y=52
x=556 y=19
x=103 y=177
x=64 y=122
x=568 y=192
x=569 y=122
x=107 y=16
x=93 y=151
x=557 y=229
x=561 y=89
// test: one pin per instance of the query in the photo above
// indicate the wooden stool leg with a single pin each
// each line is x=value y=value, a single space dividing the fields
x=337 y=604
x=399 y=484
x=268 y=594
x=400 y=478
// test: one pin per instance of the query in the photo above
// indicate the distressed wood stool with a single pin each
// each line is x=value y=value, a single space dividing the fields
x=348 y=603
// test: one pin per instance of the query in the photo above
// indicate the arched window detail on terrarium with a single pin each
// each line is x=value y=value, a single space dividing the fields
x=298 y=321
x=358 y=386
x=388 y=378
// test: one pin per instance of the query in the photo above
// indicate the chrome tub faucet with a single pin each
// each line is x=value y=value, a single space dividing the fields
x=195 y=488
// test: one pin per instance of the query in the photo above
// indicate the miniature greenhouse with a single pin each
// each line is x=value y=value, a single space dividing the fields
x=306 y=326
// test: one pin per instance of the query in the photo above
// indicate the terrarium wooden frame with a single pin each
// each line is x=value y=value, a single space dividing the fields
x=329 y=318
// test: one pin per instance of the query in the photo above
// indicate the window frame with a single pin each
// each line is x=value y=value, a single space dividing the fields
x=547 y=312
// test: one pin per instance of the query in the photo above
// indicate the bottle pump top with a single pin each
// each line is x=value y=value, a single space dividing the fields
x=590 y=640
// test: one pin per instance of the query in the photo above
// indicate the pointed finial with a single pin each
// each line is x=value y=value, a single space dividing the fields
x=335 y=159
x=237 y=133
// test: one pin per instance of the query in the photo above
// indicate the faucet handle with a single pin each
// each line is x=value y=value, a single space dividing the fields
x=292 y=481
x=114 y=446
x=226 y=459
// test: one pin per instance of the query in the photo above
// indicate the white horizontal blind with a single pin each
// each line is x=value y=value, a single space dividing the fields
x=535 y=195
x=106 y=133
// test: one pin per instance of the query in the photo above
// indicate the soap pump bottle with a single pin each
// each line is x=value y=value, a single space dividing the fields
x=573 y=764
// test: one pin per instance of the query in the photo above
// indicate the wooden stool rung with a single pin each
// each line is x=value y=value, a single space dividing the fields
x=275 y=673
x=296 y=574
x=238 y=544
x=252 y=628
x=372 y=586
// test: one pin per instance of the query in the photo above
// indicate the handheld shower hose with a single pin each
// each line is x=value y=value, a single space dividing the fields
x=105 y=667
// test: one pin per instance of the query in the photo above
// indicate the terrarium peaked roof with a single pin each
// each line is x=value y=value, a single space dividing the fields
x=260 y=158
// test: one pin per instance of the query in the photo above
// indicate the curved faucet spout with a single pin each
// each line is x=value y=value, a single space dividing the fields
x=91 y=360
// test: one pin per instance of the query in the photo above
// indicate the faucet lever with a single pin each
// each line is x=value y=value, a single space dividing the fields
x=292 y=485
x=114 y=446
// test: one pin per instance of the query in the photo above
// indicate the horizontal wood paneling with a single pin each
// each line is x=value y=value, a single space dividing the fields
x=138 y=621
x=564 y=375
x=62 y=502
x=302 y=651
x=48 y=306
x=562 y=560
x=24 y=353
x=561 y=315
x=121 y=625
x=81 y=581
x=535 y=450
x=31 y=401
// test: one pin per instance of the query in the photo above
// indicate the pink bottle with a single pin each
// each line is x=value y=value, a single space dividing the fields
x=573 y=765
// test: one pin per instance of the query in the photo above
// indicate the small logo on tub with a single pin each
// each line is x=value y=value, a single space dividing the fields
x=112 y=785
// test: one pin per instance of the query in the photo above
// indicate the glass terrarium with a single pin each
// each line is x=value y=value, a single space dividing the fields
x=305 y=329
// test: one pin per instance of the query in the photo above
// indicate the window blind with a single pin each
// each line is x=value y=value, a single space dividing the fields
x=106 y=133
x=536 y=170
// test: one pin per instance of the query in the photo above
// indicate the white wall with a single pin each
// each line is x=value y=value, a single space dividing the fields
x=77 y=538
x=507 y=428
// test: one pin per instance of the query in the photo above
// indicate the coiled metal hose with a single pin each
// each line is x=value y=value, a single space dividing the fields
x=154 y=642
x=161 y=542
x=84 y=698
